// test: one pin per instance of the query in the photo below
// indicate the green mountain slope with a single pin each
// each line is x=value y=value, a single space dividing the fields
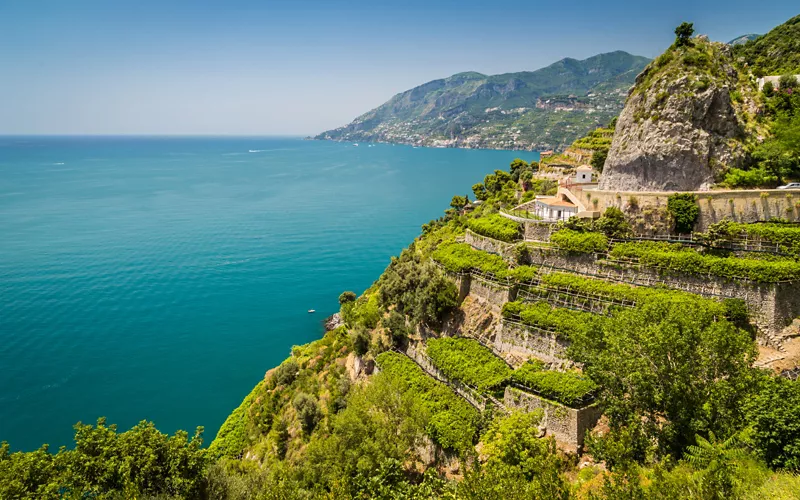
x=776 y=53
x=546 y=108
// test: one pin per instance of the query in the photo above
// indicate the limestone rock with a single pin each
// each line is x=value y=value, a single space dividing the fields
x=683 y=125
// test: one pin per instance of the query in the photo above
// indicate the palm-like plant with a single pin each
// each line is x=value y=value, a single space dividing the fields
x=717 y=461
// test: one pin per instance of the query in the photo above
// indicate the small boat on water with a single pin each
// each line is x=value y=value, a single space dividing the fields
x=311 y=311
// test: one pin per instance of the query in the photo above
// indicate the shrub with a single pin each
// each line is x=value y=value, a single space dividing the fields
x=684 y=211
x=286 y=372
x=564 y=322
x=453 y=422
x=577 y=243
x=346 y=297
x=773 y=414
x=360 y=338
x=675 y=257
x=496 y=226
x=308 y=412
x=467 y=361
x=568 y=388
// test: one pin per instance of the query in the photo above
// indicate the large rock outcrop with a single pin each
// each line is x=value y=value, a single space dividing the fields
x=684 y=123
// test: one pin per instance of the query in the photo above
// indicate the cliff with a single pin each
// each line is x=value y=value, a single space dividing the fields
x=685 y=122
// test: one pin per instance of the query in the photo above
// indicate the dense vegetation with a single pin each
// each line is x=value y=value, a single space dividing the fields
x=561 y=321
x=569 y=388
x=776 y=53
x=785 y=236
x=677 y=258
x=496 y=226
x=466 y=360
x=460 y=257
x=577 y=243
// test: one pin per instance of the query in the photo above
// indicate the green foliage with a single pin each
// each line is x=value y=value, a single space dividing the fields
x=568 y=388
x=417 y=290
x=480 y=191
x=458 y=202
x=677 y=258
x=673 y=367
x=517 y=463
x=776 y=52
x=612 y=223
x=786 y=236
x=577 y=243
x=453 y=422
x=683 y=34
x=564 y=322
x=141 y=462
x=753 y=178
x=460 y=257
x=496 y=226
x=286 y=373
x=360 y=339
x=308 y=412
x=395 y=323
x=684 y=211
x=467 y=361
x=598 y=160
x=775 y=416
x=346 y=297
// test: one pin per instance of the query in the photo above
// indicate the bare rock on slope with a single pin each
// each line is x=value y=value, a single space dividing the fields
x=684 y=123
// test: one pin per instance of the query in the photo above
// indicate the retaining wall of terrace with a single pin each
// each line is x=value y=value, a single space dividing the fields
x=737 y=205
x=490 y=245
x=567 y=425
x=545 y=346
x=772 y=306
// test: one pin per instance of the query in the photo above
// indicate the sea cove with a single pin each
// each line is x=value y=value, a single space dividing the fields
x=158 y=278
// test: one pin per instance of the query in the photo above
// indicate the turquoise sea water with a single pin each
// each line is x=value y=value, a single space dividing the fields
x=159 y=278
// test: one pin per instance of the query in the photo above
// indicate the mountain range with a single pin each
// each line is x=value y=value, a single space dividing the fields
x=543 y=109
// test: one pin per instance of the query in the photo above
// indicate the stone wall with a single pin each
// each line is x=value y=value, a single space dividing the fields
x=736 y=205
x=493 y=293
x=490 y=245
x=512 y=338
x=566 y=425
x=538 y=231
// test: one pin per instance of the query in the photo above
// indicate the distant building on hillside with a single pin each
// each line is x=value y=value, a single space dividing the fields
x=774 y=79
x=583 y=175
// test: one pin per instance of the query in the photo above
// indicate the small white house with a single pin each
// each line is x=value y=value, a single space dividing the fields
x=583 y=175
x=555 y=208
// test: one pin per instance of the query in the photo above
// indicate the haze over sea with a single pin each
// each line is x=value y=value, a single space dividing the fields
x=158 y=278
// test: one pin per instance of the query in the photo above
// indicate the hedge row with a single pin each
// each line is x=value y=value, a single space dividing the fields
x=675 y=257
x=496 y=226
x=577 y=243
x=785 y=235
x=568 y=388
x=564 y=322
x=460 y=257
x=453 y=423
x=467 y=361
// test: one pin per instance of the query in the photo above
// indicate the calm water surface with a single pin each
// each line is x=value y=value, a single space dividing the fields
x=158 y=278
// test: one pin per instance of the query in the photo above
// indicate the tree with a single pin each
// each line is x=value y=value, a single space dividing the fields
x=684 y=211
x=718 y=462
x=308 y=412
x=598 y=160
x=459 y=202
x=360 y=339
x=683 y=34
x=775 y=415
x=396 y=324
x=674 y=366
x=517 y=167
x=346 y=297
x=286 y=372
x=480 y=191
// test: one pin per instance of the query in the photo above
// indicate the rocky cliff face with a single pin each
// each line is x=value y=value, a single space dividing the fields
x=684 y=123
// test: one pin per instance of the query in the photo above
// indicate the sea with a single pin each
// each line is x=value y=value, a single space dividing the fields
x=159 y=278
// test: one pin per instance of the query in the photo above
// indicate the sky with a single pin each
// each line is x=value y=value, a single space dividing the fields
x=248 y=67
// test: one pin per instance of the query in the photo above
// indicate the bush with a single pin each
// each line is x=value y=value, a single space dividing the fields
x=564 y=322
x=286 y=373
x=308 y=412
x=568 y=388
x=684 y=211
x=346 y=297
x=577 y=243
x=360 y=339
x=467 y=361
x=453 y=423
x=755 y=177
x=496 y=226
x=675 y=257
x=775 y=415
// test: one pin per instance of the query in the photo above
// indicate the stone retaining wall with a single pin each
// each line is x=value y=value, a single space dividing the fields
x=493 y=293
x=538 y=231
x=490 y=245
x=567 y=425
x=737 y=205
x=546 y=347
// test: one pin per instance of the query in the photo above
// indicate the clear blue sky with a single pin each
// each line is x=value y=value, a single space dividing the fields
x=302 y=66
